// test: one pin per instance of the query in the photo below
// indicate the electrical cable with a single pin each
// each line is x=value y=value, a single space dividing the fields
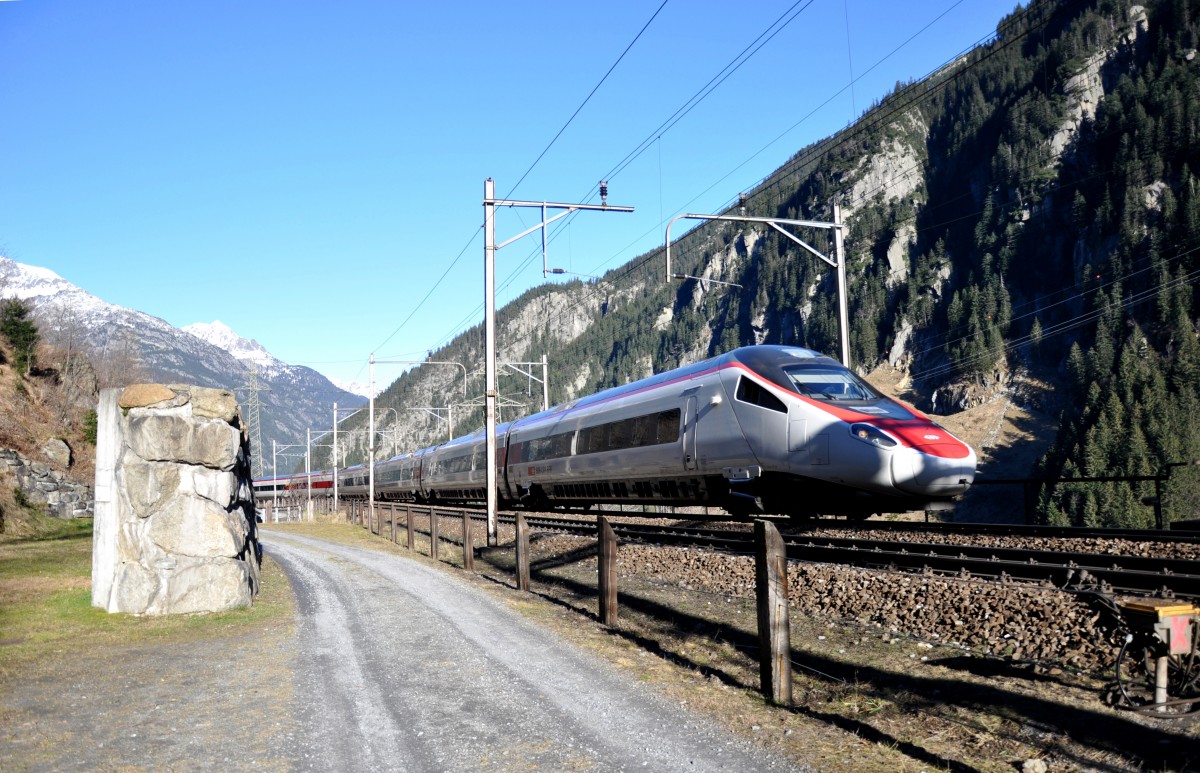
x=834 y=141
x=778 y=25
x=587 y=98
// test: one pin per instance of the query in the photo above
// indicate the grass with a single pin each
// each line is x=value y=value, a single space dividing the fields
x=46 y=604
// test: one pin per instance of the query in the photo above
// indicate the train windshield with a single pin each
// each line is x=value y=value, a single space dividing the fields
x=825 y=382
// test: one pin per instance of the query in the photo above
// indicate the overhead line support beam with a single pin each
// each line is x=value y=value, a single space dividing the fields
x=490 y=202
x=838 y=262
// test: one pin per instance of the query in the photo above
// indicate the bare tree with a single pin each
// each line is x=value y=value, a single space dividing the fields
x=120 y=363
x=68 y=349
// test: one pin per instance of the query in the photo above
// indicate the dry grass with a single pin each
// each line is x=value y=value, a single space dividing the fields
x=33 y=410
x=82 y=689
x=46 y=607
x=864 y=700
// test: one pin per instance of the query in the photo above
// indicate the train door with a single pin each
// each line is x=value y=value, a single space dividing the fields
x=797 y=438
x=690 y=416
x=807 y=446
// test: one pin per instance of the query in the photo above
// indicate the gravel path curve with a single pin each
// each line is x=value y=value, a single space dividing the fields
x=402 y=667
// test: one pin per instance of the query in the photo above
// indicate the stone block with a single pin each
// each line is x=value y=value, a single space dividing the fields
x=146 y=484
x=176 y=494
x=211 y=586
x=58 y=451
x=195 y=527
x=212 y=444
x=134 y=589
x=144 y=395
x=218 y=487
x=215 y=404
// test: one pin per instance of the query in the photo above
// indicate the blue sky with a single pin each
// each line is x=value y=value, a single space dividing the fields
x=306 y=172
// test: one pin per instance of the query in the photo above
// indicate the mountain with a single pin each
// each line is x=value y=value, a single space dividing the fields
x=218 y=334
x=126 y=346
x=355 y=387
x=1023 y=234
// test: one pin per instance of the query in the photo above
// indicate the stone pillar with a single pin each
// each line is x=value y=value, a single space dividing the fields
x=174 y=528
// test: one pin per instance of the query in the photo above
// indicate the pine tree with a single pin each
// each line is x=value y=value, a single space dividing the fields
x=21 y=333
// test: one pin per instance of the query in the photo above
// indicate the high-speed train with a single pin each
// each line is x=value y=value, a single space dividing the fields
x=761 y=429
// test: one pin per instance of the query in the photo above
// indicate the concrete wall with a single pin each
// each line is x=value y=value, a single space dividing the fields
x=174 y=528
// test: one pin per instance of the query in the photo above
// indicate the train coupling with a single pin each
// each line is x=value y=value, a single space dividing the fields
x=1162 y=635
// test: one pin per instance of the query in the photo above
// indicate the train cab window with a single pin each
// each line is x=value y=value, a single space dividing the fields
x=750 y=391
x=823 y=382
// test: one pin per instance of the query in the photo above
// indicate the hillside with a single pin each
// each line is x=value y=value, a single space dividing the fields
x=54 y=402
x=1022 y=238
x=1028 y=215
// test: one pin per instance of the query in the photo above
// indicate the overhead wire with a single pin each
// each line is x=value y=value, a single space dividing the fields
x=773 y=29
x=807 y=158
x=475 y=234
x=699 y=96
x=823 y=148
x=588 y=97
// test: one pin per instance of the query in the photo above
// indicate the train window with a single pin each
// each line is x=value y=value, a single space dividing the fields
x=550 y=447
x=825 y=382
x=649 y=430
x=593 y=439
x=750 y=391
x=668 y=426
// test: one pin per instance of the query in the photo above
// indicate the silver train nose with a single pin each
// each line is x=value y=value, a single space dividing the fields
x=921 y=473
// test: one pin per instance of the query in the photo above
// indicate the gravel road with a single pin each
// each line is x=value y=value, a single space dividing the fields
x=402 y=667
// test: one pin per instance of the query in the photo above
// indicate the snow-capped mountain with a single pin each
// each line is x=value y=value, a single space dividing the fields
x=357 y=387
x=127 y=345
x=247 y=350
x=219 y=334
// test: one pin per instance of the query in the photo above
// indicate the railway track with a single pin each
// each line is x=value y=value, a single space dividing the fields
x=1162 y=576
x=1153 y=576
x=1009 y=530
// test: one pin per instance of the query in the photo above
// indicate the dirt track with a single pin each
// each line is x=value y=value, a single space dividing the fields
x=390 y=665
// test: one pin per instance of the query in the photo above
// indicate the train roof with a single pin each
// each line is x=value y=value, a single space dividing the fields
x=760 y=358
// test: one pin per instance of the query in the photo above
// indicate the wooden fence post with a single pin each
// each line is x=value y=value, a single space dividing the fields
x=522 y=553
x=433 y=533
x=608 y=570
x=408 y=524
x=392 y=520
x=468 y=547
x=770 y=570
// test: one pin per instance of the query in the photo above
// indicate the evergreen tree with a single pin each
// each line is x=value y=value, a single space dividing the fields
x=21 y=333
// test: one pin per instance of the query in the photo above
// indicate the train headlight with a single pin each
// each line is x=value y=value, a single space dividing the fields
x=873 y=435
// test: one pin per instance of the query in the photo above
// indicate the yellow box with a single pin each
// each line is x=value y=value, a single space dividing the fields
x=1161 y=608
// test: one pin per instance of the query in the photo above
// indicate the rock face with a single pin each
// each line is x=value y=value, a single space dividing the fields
x=174 y=527
x=42 y=484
